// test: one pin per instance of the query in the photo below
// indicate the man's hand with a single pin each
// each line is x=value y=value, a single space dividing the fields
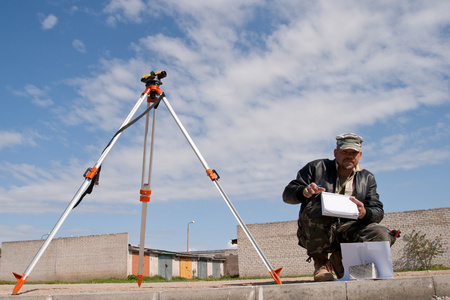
x=312 y=189
x=361 y=208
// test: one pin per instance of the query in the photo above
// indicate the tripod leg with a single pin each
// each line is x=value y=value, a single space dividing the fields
x=214 y=178
x=22 y=278
x=145 y=193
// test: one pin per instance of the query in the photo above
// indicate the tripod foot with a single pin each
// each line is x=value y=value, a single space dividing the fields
x=139 y=280
x=20 y=281
x=275 y=274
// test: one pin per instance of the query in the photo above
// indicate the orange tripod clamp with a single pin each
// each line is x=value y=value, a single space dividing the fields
x=145 y=195
x=212 y=174
x=90 y=173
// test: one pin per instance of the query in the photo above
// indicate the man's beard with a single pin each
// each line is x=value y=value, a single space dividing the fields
x=347 y=165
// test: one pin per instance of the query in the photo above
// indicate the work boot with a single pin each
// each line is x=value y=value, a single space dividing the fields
x=336 y=264
x=322 y=270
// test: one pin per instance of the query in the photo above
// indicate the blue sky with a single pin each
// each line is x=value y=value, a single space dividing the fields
x=261 y=86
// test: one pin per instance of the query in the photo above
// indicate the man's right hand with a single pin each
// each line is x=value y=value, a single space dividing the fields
x=312 y=189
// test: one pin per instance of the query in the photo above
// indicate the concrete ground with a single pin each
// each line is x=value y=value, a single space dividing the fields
x=412 y=285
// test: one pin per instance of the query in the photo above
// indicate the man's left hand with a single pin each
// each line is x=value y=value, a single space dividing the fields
x=361 y=208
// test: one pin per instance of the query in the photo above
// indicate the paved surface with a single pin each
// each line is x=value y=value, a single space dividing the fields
x=414 y=285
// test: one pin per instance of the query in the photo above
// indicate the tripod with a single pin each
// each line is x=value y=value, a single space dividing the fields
x=154 y=96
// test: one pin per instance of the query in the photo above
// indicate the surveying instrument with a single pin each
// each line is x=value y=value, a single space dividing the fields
x=154 y=97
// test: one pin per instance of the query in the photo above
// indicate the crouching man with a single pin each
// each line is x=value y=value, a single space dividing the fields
x=321 y=235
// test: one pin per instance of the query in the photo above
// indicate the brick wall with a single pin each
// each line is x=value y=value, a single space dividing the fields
x=433 y=222
x=68 y=259
x=278 y=241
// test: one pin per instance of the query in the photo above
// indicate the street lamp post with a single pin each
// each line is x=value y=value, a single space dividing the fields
x=188 y=235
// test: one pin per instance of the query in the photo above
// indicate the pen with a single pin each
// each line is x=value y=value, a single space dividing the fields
x=317 y=186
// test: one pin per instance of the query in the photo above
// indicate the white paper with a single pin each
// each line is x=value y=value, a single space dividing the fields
x=379 y=253
x=337 y=205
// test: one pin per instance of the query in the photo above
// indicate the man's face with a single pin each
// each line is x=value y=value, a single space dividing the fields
x=348 y=158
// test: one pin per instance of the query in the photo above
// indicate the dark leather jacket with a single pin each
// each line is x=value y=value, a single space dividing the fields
x=323 y=172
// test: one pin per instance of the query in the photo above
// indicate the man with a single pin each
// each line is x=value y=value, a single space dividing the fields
x=321 y=235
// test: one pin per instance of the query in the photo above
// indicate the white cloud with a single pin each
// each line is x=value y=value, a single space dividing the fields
x=41 y=190
x=48 y=22
x=332 y=60
x=18 y=232
x=38 y=96
x=124 y=10
x=335 y=68
x=8 y=138
x=423 y=147
x=106 y=99
x=49 y=189
x=409 y=159
x=26 y=232
x=79 y=46
x=13 y=138
x=258 y=113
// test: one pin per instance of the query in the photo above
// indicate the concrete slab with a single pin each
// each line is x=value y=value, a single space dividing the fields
x=316 y=290
x=102 y=296
x=91 y=296
x=238 y=293
x=442 y=285
x=422 y=287
x=419 y=288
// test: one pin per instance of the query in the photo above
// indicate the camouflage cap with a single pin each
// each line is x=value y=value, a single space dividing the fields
x=349 y=141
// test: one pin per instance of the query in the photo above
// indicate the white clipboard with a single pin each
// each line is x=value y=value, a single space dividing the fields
x=337 y=205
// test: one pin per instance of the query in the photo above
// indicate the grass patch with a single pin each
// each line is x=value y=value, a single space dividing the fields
x=433 y=268
x=129 y=279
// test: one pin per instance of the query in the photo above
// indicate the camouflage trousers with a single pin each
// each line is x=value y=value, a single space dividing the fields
x=321 y=235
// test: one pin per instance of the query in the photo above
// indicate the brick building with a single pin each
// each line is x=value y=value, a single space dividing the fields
x=101 y=256
x=278 y=241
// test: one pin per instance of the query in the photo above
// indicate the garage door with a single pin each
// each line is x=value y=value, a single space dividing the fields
x=165 y=266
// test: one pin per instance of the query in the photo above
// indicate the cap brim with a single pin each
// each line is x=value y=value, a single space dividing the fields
x=350 y=146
